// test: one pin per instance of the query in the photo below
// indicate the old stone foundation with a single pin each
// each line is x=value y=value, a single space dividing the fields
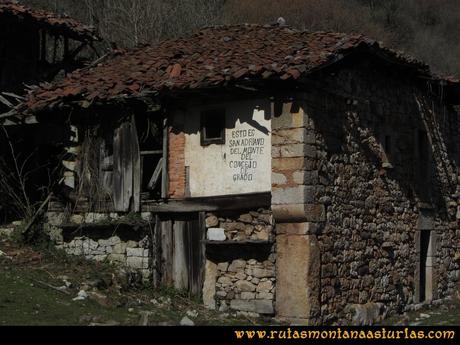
x=112 y=238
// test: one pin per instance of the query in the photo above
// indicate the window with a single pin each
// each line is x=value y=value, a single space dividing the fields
x=213 y=127
x=387 y=157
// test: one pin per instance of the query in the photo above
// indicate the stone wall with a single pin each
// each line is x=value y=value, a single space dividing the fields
x=240 y=271
x=377 y=189
x=253 y=225
x=104 y=237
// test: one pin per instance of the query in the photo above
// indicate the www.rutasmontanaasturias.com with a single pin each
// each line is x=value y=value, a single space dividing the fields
x=339 y=333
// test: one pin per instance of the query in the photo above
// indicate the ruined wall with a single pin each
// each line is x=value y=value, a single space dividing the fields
x=240 y=270
x=104 y=237
x=378 y=191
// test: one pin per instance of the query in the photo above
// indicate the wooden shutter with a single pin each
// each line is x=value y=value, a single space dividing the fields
x=126 y=164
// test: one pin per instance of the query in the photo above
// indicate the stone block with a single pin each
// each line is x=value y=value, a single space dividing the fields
x=119 y=248
x=77 y=219
x=292 y=150
x=103 y=243
x=243 y=305
x=306 y=228
x=119 y=258
x=265 y=295
x=283 y=164
x=263 y=235
x=114 y=240
x=293 y=116
x=132 y=244
x=258 y=272
x=298 y=276
x=248 y=295
x=139 y=252
x=245 y=218
x=212 y=222
x=216 y=234
x=263 y=306
x=266 y=286
x=55 y=218
x=209 y=285
x=289 y=136
x=237 y=266
x=306 y=177
x=100 y=257
x=137 y=262
x=245 y=286
x=146 y=216
x=224 y=280
x=222 y=266
x=299 y=212
x=293 y=195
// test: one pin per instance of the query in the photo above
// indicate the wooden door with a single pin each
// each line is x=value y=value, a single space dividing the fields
x=182 y=253
x=126 y=168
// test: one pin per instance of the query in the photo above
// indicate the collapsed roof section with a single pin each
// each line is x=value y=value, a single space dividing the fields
x=59 y=25
x=215 y=57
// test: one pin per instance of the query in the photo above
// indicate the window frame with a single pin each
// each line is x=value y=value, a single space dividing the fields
x=221 y=115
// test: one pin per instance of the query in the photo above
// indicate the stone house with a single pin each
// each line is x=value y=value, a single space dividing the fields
x=267 y=170
x=35 y=47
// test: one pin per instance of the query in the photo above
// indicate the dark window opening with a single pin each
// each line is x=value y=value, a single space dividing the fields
x=213 y=127
x=426 y=273
x=387 y=145
x=150 y=136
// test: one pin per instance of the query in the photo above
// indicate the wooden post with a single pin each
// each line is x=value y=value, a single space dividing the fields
x=164 y=175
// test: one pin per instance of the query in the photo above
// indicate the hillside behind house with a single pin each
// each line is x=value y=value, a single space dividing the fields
x=426 y=29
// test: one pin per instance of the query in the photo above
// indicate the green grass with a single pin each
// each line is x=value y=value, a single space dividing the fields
x=25 y=300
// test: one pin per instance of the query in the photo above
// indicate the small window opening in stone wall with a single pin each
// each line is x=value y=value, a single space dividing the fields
x=426 y=266
x=213 y=127
x=388 y=151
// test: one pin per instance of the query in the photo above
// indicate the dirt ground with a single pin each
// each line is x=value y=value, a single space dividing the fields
x=41 y=287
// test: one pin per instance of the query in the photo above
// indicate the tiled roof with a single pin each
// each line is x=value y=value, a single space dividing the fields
x=213 y=57
x=60 y=24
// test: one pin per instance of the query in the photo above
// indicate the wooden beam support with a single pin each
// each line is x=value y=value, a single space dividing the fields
x=164 y=175
x=208 y=204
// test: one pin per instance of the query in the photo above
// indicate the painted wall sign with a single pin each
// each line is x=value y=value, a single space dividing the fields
x=241 y=165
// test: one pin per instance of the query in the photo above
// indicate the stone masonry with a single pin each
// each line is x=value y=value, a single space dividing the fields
x=253 y=225
x=239 y=279
x=362 y=166
x=130 y=253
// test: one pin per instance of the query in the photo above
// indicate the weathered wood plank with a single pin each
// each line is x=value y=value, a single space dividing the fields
x=136 y=167
x=127 y=166
x=164 y=175
x=156 y=175
x=180 y=267
x=207 y=204
x=118 y=170
x=167 y=246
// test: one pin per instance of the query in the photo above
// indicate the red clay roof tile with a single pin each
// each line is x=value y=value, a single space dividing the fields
x=212 y=57
x=65 y=25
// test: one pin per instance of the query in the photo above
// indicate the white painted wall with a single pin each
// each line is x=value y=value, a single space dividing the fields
x=243 y=164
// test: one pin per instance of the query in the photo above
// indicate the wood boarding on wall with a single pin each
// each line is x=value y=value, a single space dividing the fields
x=126 y=163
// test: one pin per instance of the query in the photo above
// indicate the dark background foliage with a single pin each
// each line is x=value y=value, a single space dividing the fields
x=427 y=29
